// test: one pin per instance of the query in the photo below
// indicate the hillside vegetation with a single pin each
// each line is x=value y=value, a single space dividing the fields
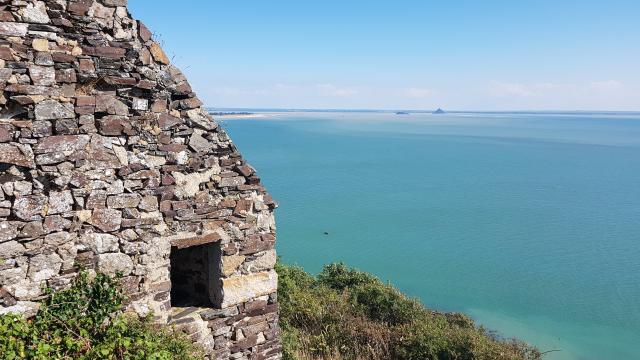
x=344 y=313
x=85 y=322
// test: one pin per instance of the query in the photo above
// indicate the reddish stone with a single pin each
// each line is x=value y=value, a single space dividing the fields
x=79 y=8
x=33 y=90
x=66 y=76
x=6 y=16
x=107 y=52
x=195 y=241
x=114 y=80
x=5 y=134
x=146 y=84
x=86 y=101
x=107 y=220
x=166 y=121
x=244 y=170
x=113 y=125
x=144 y=32
x=62 y=57
x=16 y=154
x=173 y=148
x=86 y=65
x=168 y=180
x=5 y=53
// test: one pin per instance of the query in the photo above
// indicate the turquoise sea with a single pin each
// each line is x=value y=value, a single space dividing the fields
x=528 y=222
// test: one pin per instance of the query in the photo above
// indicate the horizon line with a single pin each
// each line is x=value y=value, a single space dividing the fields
x=278 y=109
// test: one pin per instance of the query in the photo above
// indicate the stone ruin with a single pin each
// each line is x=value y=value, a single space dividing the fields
x=109 y=163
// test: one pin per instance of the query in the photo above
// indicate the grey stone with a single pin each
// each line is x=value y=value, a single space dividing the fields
x=8 y=231
x=29 y=207
x=107 y=220
x=44 y=267
x=115 y=263
x=60 y=202
x=36 y=13
x=52 y=110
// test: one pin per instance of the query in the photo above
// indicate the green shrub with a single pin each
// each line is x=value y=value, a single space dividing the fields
x=84 y=322
x=344 y=313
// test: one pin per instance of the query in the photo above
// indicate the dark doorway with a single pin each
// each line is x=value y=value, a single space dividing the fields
x=195 y=276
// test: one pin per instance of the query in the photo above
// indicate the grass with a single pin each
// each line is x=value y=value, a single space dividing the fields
x=344 y=313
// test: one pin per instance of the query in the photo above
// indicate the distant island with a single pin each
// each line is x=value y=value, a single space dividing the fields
x=439 y=111
x=402 y=113
x=229 y=113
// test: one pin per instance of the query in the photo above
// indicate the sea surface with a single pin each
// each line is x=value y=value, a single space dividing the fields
x=528 y=222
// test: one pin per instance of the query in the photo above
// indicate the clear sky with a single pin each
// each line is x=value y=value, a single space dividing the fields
x=402 y=54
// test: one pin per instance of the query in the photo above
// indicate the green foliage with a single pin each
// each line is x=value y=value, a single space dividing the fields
x=344 y=313
x=83 y=322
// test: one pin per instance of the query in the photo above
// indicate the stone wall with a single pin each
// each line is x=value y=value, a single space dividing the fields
x=108 y=162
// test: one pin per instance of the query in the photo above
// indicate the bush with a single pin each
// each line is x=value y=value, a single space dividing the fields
x=344 y=313
x=84 y=322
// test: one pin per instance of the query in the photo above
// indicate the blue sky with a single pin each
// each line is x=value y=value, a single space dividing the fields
x=400 y=54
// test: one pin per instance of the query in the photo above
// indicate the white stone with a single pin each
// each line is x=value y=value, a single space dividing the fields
x=239 y=289
x=265 y=262
x=7 y=231
x=53 y=110
x=230 y=264
x=115 y=263
x=189 y=185
x=26 y=308
x=12 y=276
x=25 y=290
x=140 y=104
x=60 y=202
x=36 y=13
x=100 y=243
x=44 y=267
x=11 y=249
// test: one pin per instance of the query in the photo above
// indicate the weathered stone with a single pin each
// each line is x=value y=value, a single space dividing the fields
x=44 y=267
x=232 y=181
x=140 y=104
x=107 y=220
x=66 y=76
x=51 y=110
x=100 y=243
x=29 y=207
x=158 y=54
x=60 y=202
x=231 y=263
x=62 y=143
x=189 y=185
x=199 y=143
x=41 y=45
x=42 y=75
x=144 y=32
x=123 y=201
x=17 y=154
x=111 y=105
x=243 y=288
x=13 y=29
x=115 y=263
x=36 y=13
x=10 y=249
x=265 y=262
x=115 y=2
x=8 y=231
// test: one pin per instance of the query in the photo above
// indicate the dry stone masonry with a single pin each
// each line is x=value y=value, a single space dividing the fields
x=108 y=162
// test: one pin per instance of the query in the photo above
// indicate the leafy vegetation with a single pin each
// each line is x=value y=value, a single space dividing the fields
x=85 y=322
x=344 y=313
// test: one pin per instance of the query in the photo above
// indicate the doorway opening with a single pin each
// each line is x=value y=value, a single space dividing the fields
x=195 y=276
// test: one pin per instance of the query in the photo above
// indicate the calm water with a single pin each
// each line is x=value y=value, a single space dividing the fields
x=529 y=223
